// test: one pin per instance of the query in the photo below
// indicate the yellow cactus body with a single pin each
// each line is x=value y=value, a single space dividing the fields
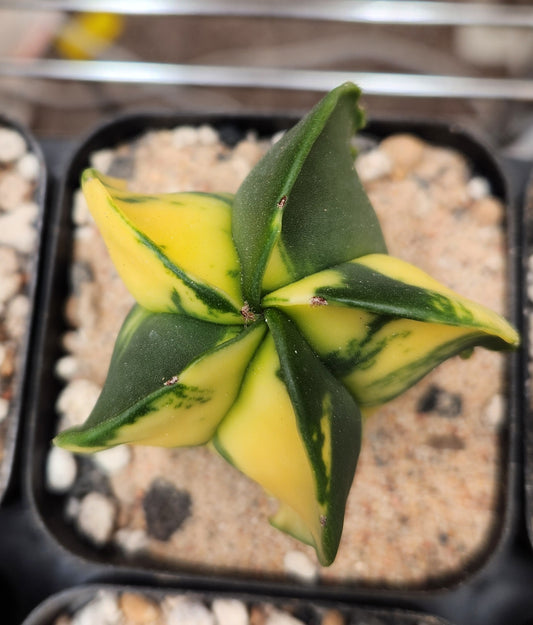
x=177 y=240
x=260 y=426
x=181 y=406
x=196 y=400
x=465 y=309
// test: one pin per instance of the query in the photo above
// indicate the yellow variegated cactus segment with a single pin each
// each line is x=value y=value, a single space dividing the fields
x=388 y=323
x=171 y=380
x=393 y=287
x=191 y=408
x=400 y=353
x=277 y=266
x=262 y=425
x=183 y=399
x=346 y=327
x=167 y=248
x=287 y=520
x=293 y=409
x=465 y=310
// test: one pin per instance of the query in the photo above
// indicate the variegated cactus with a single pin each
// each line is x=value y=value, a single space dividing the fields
x=268 y=323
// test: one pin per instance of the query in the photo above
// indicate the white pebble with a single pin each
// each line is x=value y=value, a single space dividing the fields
x=276 y=137
x=207 y=135
x=66 y=367
x=9 y=285
x=102 y=159
x=494 y=262
x=360 y=567
x=30 y=210
x=230 y=612
x=282 y=618
x=17 y=229
x=104 y=609
x=186 y=611
x=17 y=314
x=131 y=541
x=96 y=518
x=494 y=413
x=61 y=470
x=373 y=165
x=84 y=232
x=8 y=261
x=12 y=145
x=297 y=564
x=81 y=215
x=14 y=190
x=114 y=459
x=184 y=136
x=478 y=188
x=76 y=401
x=28 y=166
x=4 y=408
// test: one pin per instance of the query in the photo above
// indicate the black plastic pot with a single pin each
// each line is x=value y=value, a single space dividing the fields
x=493 y=588
x=309 y=613
x=528 y=355
x=17 y=408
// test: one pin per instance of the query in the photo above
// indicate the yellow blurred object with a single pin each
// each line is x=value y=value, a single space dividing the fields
x=87 y=35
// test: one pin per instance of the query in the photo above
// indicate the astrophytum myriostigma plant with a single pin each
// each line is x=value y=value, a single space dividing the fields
x=267 y=322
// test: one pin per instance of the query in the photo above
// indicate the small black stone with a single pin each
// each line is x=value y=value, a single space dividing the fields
x=80 y=274
x=230 y=135
x=450 y=442
x=438 y=400
x=121 y=167
x=380 y=460
x=165 y=509
x=90 y=479
x=443 y=538
x=303 y=613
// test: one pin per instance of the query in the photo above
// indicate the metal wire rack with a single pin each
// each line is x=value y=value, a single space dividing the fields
x=391 y=12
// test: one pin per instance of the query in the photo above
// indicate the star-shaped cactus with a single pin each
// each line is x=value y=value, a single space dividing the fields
x=267 y=322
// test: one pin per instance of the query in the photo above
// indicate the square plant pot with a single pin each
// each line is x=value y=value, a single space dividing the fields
x=528 y=352
x=433 y=500
x=23 y=183
x=95 y=602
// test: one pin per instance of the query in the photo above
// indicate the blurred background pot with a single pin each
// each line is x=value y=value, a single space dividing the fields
x=23 y=183
x=94 y=603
